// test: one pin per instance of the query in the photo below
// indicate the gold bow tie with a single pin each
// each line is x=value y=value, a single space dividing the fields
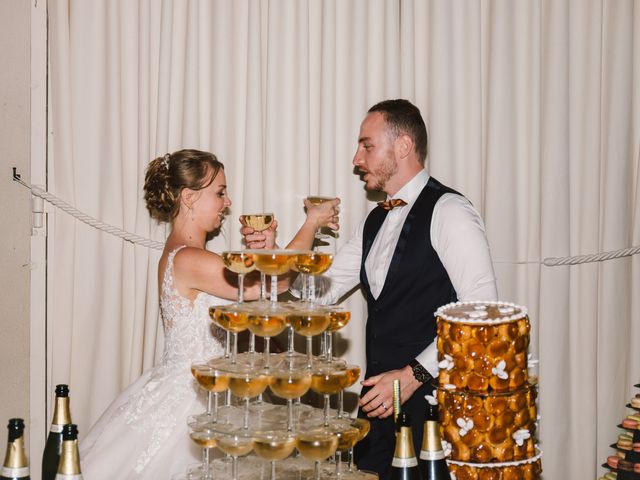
x=393 y=203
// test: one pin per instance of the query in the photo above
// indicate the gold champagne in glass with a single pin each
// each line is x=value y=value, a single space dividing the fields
x=246 y=386
x=274 y=446
x=289 y=384
x=352 y=373
x=235 y=445
x=317 y=445
x=214 y=382
x=338 y=318
x=267 y=323
x=363 y=426
x=234 y=319
x=240 y=262
x=202 y=435
x=311 y=263
x=259 y=222
x=308 y=324
x=347 y=438
x=273 y=263
x=328 y=381
x=319 y=200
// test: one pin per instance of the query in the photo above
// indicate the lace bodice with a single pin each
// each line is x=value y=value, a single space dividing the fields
x=189 y=334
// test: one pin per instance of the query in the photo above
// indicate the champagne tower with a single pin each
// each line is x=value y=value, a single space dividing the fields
x=260 y=435
x=487 y=401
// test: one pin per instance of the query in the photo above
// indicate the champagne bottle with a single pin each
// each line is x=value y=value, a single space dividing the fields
x=15 y=465
x=53 y=447
x=69 y=466
x=405 y=464
x=432 y=463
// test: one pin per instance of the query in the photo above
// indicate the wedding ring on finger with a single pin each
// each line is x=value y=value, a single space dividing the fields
x=383 y=406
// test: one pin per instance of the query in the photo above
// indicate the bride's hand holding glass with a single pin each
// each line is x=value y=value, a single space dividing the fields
x=257 y=239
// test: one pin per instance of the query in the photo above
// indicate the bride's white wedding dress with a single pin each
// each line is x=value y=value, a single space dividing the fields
x=144 y=434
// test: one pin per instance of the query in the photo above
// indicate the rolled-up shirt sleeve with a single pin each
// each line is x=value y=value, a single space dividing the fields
x=458 y=237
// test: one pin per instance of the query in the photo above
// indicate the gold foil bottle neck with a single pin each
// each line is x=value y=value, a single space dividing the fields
x=61 y=412
x=431 y=443
x=404 y=444
x=69 y=458
x=15 y=457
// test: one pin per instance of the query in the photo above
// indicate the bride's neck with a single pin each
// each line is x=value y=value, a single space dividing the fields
x=186 y=233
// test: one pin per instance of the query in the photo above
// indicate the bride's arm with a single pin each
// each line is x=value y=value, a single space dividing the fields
x=196 y=270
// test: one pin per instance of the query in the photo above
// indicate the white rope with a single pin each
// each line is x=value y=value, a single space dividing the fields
x=598 y=257
x=89 y=220
x=137 y=239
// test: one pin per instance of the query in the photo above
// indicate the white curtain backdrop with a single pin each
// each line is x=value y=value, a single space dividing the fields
x=533 y=111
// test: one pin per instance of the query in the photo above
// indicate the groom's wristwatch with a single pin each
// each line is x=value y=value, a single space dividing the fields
x=419 y=372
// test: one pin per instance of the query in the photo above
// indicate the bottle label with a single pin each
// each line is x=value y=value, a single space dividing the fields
x=56 y=428
x=404 y=462
x=427 y=455
x=14 y=472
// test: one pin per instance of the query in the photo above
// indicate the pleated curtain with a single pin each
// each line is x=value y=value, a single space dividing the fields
x=533 y=112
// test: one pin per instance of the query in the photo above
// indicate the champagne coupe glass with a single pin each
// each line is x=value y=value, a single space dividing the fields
x=214 y=382
x=273 y=263
x=247 y=385
x=203 y=435
x=352 y=373
x=274 y=446
x=309 y=323
x=317 y=444
x=347 y=438
x=259 y=222
x=289 y=384
x=240 y=262
x=267 y=323
x=364 y=426
x=233 y=318
x=235 y=444
x=311 y=263
x=319 y=200
x=338 y=318
x=327 y=381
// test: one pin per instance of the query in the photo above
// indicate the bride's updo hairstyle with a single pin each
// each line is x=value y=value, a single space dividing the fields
x=166 y=176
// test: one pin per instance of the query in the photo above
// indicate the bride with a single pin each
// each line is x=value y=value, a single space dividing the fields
x=143 y=434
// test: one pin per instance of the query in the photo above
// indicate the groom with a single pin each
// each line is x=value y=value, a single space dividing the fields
x=422 y=248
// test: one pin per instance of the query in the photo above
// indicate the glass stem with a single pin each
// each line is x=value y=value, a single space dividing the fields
x=312 y=289
x=274 y=289
x=289 y=340
x=263 y=286
x=234 y=468
x=273 y=470
x=205 y=464
x=350 y=460
x=240 y=287
x=309 y=352
x=338 y=463
x=234 y=348
x=227 y=343
x=305 y=287
x=252 y=342
x=329 y=341
x=215 y=407
x=267 y=344
x=326 y=409
x=340 y=403
x=209 y=403
x=289 y=414
x=316 y=470
x=245 y=423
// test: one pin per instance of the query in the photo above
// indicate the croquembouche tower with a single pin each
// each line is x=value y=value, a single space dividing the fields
x=487 y=401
